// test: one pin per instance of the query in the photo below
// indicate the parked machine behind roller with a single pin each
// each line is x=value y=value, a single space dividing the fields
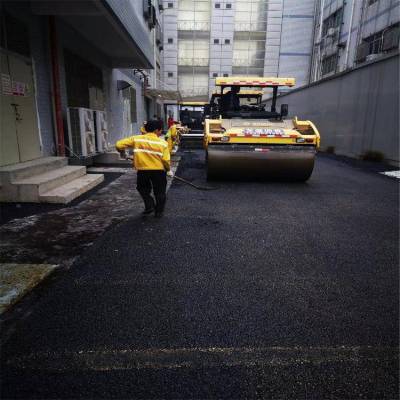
x=248 y=141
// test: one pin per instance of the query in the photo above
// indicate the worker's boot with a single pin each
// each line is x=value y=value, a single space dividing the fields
x=160 y=204
x=149 y=205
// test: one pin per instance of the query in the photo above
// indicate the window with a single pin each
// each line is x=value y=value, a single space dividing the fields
x=228 y=5
x=170 y=74
x=227 y=41
x=370 y=2
x=170 y=5
x=251 y=16
x=216 y=41
x=329 y=64
x=383 y=41
x=333 y=21
x=217 y=5
x=170 y=40
x=215 y=74
x=194 y=15
x=226 y=75
x=193 y=52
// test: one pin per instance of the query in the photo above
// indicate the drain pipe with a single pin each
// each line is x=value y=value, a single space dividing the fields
x=346 y=60
x=56 y=87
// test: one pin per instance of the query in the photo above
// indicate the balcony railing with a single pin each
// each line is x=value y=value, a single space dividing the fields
x=192 y=92
x=251 y=26
x=246 y=62
x=193 y=26
x=193 y=62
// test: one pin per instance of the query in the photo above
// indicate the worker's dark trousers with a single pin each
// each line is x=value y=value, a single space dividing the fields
x=156 y=179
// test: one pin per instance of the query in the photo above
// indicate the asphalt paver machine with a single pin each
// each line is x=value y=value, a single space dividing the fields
x=249 y=141
x=191 y=115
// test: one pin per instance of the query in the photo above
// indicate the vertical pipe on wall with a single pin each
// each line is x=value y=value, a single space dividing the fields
x=56 y=87
x=346 y=60
x=318 y=57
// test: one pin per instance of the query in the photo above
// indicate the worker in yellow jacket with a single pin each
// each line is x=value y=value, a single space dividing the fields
x=171 y=137
x=152 y=161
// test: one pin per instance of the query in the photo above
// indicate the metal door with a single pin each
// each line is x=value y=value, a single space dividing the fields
x=19 y=126
x=126 y=112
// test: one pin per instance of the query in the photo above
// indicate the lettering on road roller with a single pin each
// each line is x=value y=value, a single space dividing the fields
x=244 y=139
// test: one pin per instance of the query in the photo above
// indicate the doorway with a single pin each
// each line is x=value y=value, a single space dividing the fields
x=19 y=124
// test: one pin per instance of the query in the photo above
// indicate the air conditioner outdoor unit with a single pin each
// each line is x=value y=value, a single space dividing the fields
x=101 y=127
x=81 y=131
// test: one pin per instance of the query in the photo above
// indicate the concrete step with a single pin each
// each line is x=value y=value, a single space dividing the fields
x=11 y=173
x=68 y=192
x=30 y=189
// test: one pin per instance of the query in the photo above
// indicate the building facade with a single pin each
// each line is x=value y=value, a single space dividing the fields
x=349 y=33
x=208 y=38
x=101 y=55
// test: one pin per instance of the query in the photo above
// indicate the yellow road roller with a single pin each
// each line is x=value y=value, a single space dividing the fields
x=245 y=140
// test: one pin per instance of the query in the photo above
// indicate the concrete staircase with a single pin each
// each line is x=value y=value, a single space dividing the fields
x=45 y=180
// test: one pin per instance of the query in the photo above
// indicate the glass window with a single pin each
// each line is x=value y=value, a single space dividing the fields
x=170 y=5
x=227 y=41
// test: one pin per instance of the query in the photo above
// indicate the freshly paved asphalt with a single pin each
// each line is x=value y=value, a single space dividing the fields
x=268 y=290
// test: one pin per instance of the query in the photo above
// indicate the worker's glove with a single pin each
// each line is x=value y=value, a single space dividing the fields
x=122 y=154
x=170 y=174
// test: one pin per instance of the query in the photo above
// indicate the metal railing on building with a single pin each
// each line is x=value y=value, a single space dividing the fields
x=193 y=62
x=193 y=26
x=251 y=26
x=192 y=92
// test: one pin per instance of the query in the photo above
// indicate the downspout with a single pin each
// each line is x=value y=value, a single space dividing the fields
x=56 y=87
x=318 y=61
x=349 y=36
x=339 y=34
x=311 y=70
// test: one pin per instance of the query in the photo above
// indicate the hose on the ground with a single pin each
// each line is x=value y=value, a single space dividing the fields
x=193 y=185
x=187 y=182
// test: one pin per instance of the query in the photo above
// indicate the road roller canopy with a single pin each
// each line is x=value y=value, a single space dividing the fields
x=254 y=81
x=244 y=93
x=229 y=105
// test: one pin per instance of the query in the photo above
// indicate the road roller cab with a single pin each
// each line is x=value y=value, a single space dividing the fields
x=247 y=140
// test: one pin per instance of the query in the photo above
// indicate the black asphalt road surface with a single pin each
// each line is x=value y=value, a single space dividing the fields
x=255 y=290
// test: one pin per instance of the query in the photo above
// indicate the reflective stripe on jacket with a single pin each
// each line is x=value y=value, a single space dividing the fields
x=150 y=151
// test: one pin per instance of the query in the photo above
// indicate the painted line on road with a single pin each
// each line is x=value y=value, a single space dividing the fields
x=133 y=359
x=393 y=174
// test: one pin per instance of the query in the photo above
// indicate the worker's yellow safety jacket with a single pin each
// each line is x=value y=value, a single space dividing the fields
x=150 y=151
x=171 y=137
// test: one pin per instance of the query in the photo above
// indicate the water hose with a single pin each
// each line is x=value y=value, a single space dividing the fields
x=187 y=182
x=193 y=185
